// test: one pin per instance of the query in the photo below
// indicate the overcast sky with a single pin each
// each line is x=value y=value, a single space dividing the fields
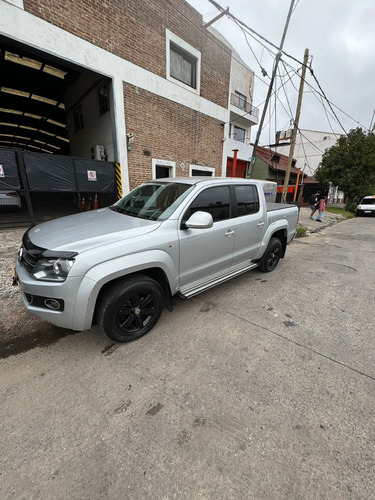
x=340 y=36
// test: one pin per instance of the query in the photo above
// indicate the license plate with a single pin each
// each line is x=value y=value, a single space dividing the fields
x=367 y=211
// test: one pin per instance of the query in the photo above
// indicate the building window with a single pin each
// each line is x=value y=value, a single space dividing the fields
x=78 y=118
x=238 y=134
x=103 y=99
x=163 y=168
x=183 y=62
x=199 y=171
x=183 y=66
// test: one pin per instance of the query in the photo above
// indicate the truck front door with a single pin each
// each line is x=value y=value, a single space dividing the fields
x=204 y=252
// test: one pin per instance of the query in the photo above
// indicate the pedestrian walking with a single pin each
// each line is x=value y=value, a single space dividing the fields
x=321 y=208
x=314 y=202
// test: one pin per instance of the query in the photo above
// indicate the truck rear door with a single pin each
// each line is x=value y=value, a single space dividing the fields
x=249 y=224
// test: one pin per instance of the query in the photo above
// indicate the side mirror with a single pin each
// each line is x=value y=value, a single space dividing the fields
x=200 y=220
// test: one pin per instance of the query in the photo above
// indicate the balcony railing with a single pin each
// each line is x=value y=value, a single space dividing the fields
x=241 y=103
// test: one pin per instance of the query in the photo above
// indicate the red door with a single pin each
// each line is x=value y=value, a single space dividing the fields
x=240 y=168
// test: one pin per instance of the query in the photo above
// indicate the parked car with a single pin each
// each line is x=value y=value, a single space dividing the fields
x=367 y=206
x=119 y=266
x=10 y=199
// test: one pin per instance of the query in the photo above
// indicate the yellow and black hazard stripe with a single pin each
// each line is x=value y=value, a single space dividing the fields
x=118 y=181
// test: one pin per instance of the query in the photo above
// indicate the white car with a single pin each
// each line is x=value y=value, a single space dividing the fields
x=10 y=199
x=367 y=206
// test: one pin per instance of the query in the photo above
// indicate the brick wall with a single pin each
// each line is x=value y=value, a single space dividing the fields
x=165 y=130
x=135 y=31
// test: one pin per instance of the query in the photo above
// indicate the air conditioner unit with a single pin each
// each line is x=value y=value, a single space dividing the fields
x=98 y=152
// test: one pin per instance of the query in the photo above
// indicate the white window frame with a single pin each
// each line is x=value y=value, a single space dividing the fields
x=202 y=169
x=171 y=37
x=163 y=163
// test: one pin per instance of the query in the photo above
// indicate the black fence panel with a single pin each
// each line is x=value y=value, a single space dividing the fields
x=50 y=173
x=35 y=187
x=9 y=178
x=94 y=176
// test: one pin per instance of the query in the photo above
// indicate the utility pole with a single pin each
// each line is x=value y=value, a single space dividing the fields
x=372 y=121
x=295 y=128
x=270 y=88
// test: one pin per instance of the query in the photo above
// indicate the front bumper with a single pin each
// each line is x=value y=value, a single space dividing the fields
x=365 y=212
x=64 y=304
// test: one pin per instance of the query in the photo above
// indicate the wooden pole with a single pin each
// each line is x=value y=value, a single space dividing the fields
x=295 y=128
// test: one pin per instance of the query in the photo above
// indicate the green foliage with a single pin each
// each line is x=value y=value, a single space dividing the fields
x=351 y=207
x=347 y=213
x=350 y=164
x=301 y=231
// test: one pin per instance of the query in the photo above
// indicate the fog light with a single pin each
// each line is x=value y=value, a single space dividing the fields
x=29 y=298
x=52 y=304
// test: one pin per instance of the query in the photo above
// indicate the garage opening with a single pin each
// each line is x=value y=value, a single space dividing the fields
x=56 y=137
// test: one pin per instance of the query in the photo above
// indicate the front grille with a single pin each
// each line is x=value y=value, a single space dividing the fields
x=28 y=260
x=29 y=254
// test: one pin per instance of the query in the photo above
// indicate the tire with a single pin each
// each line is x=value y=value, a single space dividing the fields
x=129 y=309
x=271 y=256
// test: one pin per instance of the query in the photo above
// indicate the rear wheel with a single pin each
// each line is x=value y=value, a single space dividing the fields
x=271 y=256
x=129 y=309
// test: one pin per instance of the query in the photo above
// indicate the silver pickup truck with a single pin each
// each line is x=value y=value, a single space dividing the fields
x=119 y=266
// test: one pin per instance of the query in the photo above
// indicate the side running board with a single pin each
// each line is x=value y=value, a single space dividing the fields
x=202 y=285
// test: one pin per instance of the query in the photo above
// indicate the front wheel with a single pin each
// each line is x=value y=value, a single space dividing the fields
x=129 y=309
x=271 y=256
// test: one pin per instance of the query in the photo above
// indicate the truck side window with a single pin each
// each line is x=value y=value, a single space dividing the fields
x=215 y=201
x=247 y=200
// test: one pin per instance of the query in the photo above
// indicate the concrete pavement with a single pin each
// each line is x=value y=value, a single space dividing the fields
x=261 y=388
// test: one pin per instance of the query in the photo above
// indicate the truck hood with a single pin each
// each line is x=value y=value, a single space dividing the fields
x=88 y=230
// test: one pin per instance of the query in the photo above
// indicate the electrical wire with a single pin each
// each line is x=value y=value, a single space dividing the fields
x=254 y=34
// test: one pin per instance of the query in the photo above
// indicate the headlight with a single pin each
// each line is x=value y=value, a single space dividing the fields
x=52 y=269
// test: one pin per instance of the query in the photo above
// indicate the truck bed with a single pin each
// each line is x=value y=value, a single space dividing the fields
x=271 y=206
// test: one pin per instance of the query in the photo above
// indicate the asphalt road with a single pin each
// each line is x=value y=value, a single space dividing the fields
x=262 y=388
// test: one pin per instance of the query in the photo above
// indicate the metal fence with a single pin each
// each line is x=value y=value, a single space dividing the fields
x=36 y=187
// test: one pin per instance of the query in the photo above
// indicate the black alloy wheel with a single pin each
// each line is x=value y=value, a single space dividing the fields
x=131 y=308
x=271 y=256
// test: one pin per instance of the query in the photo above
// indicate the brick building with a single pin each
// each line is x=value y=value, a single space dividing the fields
x=143 y=84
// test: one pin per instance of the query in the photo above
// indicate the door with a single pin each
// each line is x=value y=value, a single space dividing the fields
x=207 y=251
x=249 y=225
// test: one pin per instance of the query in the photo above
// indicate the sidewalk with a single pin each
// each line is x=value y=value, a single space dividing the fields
x=328 y=219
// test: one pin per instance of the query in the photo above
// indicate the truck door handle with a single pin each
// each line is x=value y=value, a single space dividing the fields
x=229 y=232
x=260 y=224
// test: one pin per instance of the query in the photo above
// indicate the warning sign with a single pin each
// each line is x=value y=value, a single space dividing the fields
x=2 y=174
x=91 y=175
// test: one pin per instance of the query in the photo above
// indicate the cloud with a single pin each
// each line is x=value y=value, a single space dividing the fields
x=341 y=39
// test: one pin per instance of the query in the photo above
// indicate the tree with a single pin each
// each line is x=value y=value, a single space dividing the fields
x=350 y=164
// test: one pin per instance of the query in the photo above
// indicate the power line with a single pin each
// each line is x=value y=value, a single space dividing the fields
x=253 y=33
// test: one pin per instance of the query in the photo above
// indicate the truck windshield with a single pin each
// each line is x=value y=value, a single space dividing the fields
x=153 y=201
x=368 y=201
